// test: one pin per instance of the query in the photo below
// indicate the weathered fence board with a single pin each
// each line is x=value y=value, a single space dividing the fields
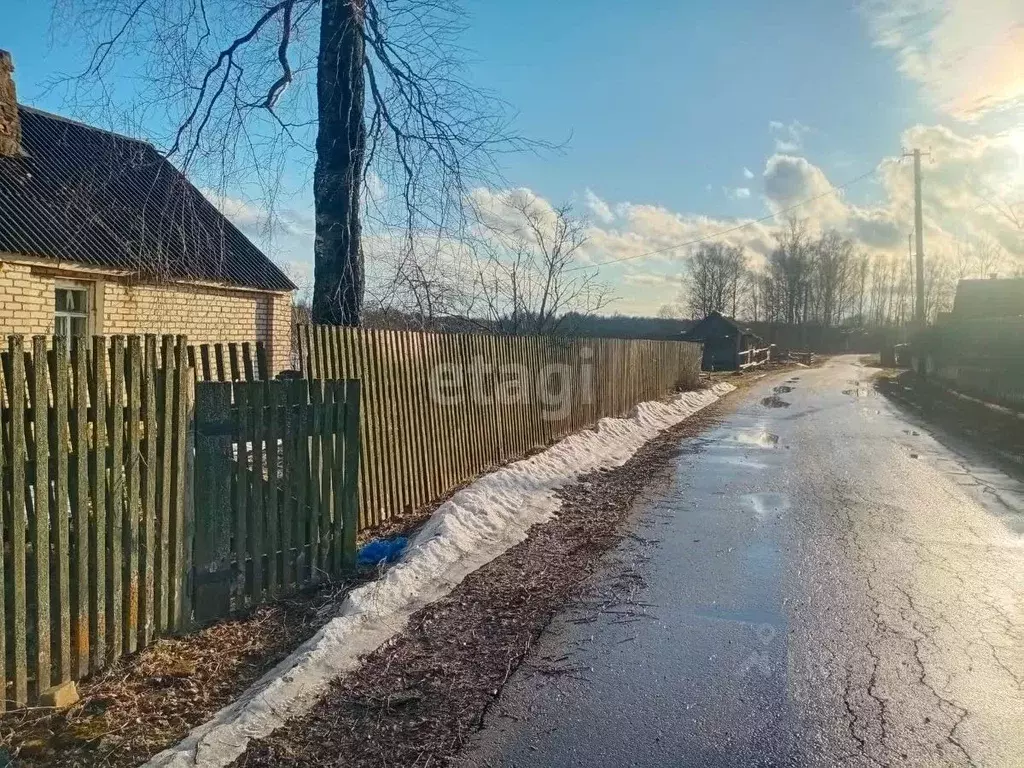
x=276 y=468
x=80 y=435
x=438 y=409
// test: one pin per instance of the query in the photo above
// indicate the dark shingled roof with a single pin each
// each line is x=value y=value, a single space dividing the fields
x=85 y=195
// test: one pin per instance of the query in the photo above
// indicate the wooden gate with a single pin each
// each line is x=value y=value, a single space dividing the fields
x=275 y=489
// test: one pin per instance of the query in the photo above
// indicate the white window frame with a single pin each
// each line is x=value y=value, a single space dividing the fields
x=90 y=304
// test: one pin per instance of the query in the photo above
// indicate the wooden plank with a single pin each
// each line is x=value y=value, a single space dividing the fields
x=257 y=526
x=392 y=423
x=218 y=357
x=80 y=506
x=444 y=455
x=369 y=430
x=165 y=477
x=377 y=405
x=301 y=336
x=333 y=336
x=181 y=529
x=204 y=357
x=212 y=546
x=150 y=483
x=18 y=534
x=247 y=362
x=98 y=396
x=314 y=470
x=357 y=371
x=288 y=510
x=133 y=509
x=413 y=431
x=262 y=367
x=192 y=360
x=300 y=474
x=316 y=351
x=334 y=463
x=326 y=436
x=415 y=470
x=60 y=438
x=272 y=415
x=349 y=505
x=240 y=494
x=115 y=501
x=39 y=521
x=186 y=454
x=236 y=374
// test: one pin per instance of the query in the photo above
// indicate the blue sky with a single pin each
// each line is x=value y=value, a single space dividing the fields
x=684 y=118
x=665 y=98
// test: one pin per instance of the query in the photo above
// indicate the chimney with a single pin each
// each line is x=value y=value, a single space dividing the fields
x=10 y=124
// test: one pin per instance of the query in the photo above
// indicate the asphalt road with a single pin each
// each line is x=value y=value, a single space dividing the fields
x=817 y=581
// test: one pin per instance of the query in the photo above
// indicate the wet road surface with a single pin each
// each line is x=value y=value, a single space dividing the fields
x=817 y=581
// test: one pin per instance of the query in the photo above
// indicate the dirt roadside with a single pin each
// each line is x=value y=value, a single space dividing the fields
x=996 y=433
x=416 y=700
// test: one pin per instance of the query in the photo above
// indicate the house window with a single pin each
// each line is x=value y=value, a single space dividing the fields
x=71 y=310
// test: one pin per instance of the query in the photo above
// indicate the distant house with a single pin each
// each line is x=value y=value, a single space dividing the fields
x=100 y=234
x=988 y=298
x=723 y=341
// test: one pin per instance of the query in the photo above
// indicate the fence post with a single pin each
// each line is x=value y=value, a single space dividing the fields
x=212 y=545
x=350 y=502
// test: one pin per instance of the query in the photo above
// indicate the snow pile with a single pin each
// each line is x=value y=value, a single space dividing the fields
x=476 y=525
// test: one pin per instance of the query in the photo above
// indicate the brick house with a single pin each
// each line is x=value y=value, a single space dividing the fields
x=100 y=234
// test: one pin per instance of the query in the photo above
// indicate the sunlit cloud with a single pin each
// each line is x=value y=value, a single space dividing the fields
x=968 y=55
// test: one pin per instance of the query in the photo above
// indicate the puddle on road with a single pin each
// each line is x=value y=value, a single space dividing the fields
x=859 y=392
x=782 y=389
x=760 y=438
x=775 y=402
x=768 y=504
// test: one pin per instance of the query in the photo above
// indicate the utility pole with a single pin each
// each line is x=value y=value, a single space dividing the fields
x=919 y=235
x=910 y=270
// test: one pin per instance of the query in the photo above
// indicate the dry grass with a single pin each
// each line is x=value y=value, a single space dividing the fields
x=146 y=702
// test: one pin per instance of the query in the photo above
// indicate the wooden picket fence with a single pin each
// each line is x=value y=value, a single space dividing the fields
x=438 y=409
x=147 y=485
x=102 y=461
x=94 y=504
x=233 y=361
x=276 y=469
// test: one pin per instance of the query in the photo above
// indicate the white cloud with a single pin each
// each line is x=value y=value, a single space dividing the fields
x=968 y=55
x=747 y=173
x=598 y=207
x=790 y=180
x=789 y=137
x=971 y=183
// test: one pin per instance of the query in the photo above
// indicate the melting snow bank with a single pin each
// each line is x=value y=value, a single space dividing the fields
x=472 y=528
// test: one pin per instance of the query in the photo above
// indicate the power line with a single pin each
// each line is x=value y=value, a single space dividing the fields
x=737 y=228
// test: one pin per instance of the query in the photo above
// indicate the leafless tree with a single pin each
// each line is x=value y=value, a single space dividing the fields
x=527 y=273
x=834 y=278
x=712 y=279
x=236 y=91
x=789 y=271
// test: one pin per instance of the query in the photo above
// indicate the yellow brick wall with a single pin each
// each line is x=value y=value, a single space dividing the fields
x=26 y=301
x=205 y=314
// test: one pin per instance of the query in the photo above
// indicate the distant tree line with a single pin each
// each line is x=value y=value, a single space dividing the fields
x=826 y=280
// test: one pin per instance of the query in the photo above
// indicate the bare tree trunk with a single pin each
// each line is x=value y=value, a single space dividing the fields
x=340 y=149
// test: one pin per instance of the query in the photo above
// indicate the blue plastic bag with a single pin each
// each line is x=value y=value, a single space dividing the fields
x=382 y=551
